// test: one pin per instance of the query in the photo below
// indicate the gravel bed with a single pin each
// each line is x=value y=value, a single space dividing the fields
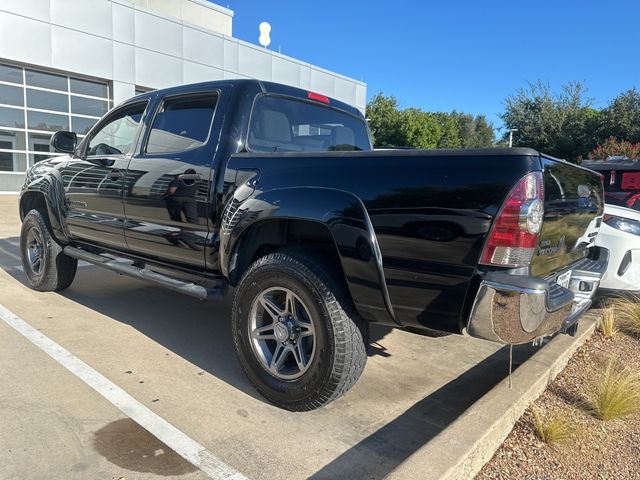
x=598 y=450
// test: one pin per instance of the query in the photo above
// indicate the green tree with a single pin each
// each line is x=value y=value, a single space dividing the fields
x=474 y=132
x=419 y=129
x=413 y=127
x=558 y=124
x=621 y=119
x=384 y=121
x=450 y=133
x=483 y=135
x=466 y=128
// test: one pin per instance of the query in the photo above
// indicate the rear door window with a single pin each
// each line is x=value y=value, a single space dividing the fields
x=182 y=123
x=280 y=124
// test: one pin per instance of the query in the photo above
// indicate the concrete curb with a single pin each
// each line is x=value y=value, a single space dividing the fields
x=462 y=449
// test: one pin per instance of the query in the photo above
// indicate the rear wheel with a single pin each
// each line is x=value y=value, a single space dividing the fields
x=292 y=334
x=47 y=268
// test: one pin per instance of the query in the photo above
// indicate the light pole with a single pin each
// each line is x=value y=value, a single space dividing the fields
x=511 y=130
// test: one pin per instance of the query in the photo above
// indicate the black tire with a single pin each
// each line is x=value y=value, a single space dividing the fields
x=339 y=356
x=55 y=271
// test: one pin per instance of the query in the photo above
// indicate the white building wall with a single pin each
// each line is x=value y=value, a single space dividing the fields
x=149 y=44
x=127 y=43
x=200 y=13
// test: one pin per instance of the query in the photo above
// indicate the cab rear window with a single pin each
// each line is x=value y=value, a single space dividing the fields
x=281 y=124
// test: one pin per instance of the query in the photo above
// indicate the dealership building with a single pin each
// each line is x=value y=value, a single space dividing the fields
x=64 y=63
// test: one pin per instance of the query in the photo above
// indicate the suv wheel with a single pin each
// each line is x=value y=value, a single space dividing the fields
x=294 y=339
x=46 y=267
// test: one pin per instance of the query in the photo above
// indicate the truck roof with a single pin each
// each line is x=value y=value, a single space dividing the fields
x=266 y=87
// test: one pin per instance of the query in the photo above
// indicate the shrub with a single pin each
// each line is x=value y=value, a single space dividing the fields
x=612 y=147
x=628 y=313
x=607 y=325
x=553 y=429
x=616 y=392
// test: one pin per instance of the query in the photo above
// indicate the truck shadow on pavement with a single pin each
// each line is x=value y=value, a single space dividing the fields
x=200 y=332
x=197 y=331
x=387 y=448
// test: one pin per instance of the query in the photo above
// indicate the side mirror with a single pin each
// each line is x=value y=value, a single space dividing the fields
x=64 y=142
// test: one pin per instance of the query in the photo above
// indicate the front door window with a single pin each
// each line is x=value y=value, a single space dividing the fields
x=116 y=136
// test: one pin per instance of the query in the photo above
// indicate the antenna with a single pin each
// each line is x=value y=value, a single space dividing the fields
x=264 y=38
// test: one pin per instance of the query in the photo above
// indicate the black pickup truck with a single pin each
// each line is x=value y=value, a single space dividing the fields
x=278 y=193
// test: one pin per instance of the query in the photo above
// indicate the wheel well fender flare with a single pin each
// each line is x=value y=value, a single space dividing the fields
x=47 y=191
x=346 y=219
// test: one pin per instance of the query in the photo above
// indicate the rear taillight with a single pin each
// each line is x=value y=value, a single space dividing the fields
x=514 y=235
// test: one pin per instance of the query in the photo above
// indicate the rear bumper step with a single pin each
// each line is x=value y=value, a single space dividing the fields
x=182 y=286
x=514 y=309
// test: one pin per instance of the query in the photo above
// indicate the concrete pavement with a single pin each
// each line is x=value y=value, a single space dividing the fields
x=174 y=354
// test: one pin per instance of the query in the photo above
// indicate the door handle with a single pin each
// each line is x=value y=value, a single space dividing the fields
x=115 y=174
x=190 y=176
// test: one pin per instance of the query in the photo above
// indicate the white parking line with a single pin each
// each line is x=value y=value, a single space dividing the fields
x=178 y=441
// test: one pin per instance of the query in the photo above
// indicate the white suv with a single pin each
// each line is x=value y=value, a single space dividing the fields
x=620 y=234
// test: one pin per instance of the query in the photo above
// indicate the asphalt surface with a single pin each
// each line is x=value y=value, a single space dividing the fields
x=174 y=354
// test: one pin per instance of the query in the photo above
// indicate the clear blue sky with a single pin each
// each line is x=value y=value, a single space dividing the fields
x=466 y=55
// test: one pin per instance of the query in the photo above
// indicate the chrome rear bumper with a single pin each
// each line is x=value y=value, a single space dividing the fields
x=514 y=309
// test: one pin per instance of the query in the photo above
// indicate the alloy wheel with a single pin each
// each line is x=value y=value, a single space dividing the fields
x=35 y=251
x=282 y=333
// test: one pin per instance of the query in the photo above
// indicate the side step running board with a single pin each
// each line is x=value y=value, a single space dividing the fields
x=182 y=286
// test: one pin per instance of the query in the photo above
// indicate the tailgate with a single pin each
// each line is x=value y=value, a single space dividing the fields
x=573 y=207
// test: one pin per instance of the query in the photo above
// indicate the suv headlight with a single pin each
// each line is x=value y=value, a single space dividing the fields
x=623 y=224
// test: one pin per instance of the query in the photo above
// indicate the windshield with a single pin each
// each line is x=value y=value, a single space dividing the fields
x=287 y=125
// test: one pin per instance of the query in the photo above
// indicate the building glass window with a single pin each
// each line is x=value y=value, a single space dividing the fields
x=89 y=106
x=34 y=104
x=44 y=100
x=86 y=87
x=12 y=161
x=10 y=74
x=46 y=80
x=10 y=95
x=39 y=142
x=12 y=140
x=12 y=117
x=50 y=122
x=82 y=125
